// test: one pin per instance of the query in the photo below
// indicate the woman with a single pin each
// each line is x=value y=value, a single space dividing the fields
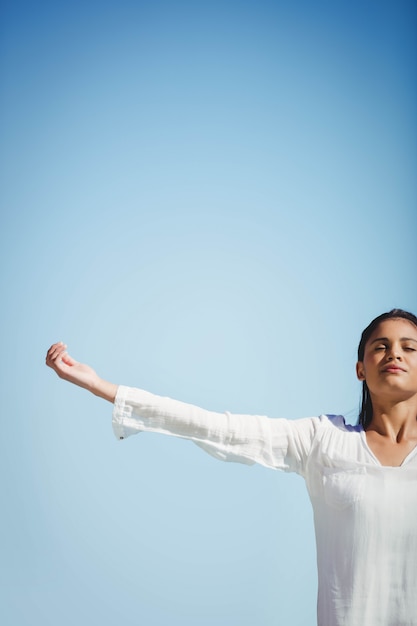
x=362 y=480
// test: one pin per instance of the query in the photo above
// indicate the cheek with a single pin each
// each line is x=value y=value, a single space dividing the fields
x=371 y=363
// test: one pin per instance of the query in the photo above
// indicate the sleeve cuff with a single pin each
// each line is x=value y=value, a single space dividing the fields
x=122 y=423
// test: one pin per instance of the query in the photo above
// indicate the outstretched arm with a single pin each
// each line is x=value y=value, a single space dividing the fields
x=79 y=374
x=278 y=443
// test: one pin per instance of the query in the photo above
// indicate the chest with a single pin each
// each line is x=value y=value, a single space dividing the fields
x=350 y=480
x=387 y=452
x=367 y=542
x=369 y=504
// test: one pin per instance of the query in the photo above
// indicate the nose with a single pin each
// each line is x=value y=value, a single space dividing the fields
x=394 y=353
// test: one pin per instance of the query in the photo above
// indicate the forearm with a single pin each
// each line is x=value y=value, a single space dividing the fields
x=278 y=443
x=226 y=436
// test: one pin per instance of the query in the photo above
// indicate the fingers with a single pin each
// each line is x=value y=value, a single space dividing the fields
x=68 y=360
x=56 y=354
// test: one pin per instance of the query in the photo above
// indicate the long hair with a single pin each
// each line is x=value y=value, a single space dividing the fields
x=366 y=410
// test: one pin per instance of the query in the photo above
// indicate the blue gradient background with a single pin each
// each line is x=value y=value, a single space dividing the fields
x=210 y=201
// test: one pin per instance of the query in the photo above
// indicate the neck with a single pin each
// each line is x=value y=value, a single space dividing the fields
x=396 y=420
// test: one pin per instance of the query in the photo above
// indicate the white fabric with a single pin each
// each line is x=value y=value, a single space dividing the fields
x=365 y=514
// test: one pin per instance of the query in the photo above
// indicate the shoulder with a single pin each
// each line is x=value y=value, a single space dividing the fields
x=338 y=422
x=314 y=426
x=337 y=442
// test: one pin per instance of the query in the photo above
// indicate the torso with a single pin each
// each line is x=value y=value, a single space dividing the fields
x=364 y=497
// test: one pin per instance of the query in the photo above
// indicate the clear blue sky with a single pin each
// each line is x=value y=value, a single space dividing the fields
x=210 y=201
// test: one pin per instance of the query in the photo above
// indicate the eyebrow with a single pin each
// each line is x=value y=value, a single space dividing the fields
x=386 y=339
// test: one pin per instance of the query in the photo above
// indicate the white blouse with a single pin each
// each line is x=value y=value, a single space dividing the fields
x=365 y=514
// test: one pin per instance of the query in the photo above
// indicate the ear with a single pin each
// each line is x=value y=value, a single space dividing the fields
x=360 y=371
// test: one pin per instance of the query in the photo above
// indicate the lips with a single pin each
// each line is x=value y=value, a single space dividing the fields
x=393 y=369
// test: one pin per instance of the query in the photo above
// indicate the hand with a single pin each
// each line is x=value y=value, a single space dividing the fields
x=82 y=375
x=69 y=369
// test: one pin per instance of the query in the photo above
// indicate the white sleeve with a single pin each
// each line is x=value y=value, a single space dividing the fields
x=276 y=443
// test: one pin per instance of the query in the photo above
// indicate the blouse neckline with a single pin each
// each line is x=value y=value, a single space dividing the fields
x=375 y=458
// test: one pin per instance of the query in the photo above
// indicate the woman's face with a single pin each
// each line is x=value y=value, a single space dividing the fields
x=389 y=366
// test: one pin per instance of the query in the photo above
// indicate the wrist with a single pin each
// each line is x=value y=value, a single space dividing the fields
x=104 y=389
